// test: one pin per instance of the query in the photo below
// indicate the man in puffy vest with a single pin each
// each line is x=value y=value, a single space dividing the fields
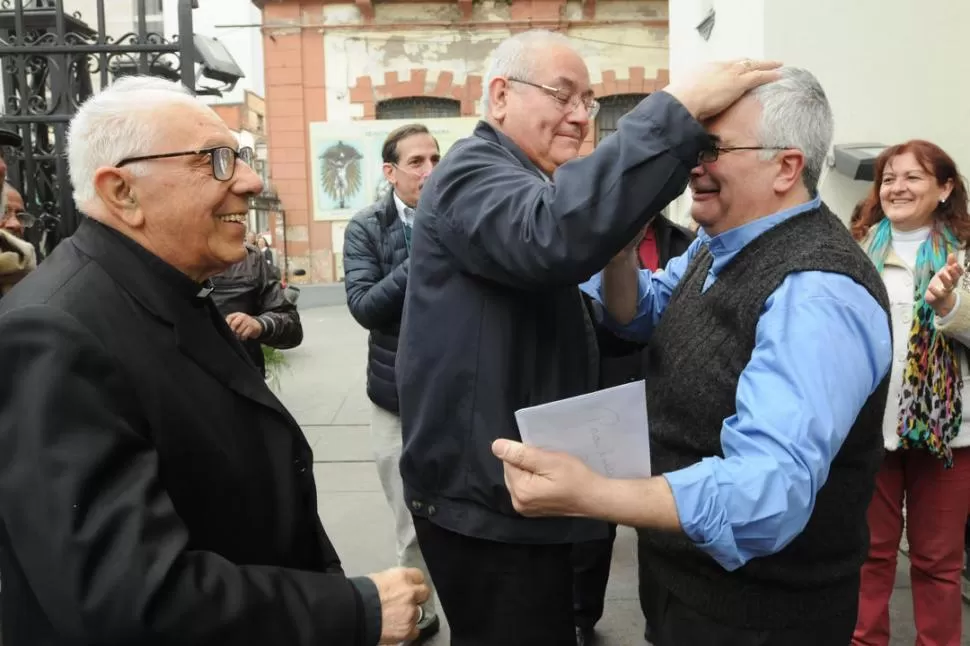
x=377 y=249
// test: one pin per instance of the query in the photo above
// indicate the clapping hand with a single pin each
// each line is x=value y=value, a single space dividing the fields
x=939 y=293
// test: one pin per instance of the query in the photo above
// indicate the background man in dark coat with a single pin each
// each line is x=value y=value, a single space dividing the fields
x=377 y=246
x=152 y=488
x=494 y=321
x=256 y=309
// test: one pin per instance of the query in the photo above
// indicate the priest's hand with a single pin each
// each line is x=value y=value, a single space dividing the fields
x=401 y=591
x=710 y=89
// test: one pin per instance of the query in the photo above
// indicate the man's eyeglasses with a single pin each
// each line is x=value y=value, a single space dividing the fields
x=26 y=220
x=566 y=98
x=711 y=154
x=223 y=159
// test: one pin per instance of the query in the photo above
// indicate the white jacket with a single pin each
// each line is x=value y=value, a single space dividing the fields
x=899 y=278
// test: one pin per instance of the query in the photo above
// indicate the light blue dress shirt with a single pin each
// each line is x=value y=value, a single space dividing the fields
x=822 y=346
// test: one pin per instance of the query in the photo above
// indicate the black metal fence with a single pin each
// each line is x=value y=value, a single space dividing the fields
x=49 y=63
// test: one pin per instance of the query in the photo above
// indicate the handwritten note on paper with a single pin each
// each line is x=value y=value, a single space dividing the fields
x=606 y=429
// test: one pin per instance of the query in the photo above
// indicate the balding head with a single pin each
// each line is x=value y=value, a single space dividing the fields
x=537 y=92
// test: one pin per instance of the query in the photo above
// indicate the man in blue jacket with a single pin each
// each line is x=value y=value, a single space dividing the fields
x=494 y=320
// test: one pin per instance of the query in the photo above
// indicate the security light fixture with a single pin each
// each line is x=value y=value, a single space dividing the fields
x=857 y=161
x=216 y=63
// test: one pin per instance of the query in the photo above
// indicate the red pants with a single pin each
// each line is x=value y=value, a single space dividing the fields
x=937 y=504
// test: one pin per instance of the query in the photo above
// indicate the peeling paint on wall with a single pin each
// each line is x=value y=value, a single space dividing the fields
x=351 y=55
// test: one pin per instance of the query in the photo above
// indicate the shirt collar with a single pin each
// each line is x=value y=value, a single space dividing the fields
x=401 y=213
x=732 y=241
x=485 y=130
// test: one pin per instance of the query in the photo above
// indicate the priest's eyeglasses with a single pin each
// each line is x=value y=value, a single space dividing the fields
x=223 y=159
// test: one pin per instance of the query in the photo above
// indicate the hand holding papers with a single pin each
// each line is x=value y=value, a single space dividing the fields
x=606 y=429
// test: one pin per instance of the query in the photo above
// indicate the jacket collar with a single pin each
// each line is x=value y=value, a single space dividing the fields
x=387 y=214
x=194 y=318
x=488 y=132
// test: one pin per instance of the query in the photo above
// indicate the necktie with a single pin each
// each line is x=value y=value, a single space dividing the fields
x=408 y=220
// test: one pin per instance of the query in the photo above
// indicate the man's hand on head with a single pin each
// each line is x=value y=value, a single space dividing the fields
x=714 y=87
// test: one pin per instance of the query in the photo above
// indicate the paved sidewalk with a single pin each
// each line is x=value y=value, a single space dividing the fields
x=323 y=387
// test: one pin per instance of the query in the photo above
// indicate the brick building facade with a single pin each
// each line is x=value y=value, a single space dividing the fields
x=338 y=62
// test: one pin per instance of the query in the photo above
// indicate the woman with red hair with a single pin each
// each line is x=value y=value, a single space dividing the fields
x=915 y=227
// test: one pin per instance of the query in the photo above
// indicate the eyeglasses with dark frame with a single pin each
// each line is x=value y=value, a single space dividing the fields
x=567 y=99
x=26 y=219
x=223 y=159
x=710 y=155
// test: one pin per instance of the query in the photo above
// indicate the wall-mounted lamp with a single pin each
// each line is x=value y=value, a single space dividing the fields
x=857 y=161
x=216 y=63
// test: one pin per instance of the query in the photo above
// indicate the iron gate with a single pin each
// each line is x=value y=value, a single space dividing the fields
x=49 y=62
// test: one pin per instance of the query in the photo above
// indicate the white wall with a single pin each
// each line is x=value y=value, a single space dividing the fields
x=892 y=69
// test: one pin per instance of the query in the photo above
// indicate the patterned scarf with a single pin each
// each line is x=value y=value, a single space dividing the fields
x=930 y=409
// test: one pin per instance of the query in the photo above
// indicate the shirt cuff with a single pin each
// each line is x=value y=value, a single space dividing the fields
x=702 y=517
x=269 y=326
x=370 y=602
x=594 y=288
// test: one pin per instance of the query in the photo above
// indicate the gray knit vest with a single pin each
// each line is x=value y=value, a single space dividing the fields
x=697 y=353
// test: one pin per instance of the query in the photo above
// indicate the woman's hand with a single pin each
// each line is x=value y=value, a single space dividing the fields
x=939 y=293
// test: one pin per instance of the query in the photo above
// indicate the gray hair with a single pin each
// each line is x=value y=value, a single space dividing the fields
x=795 y=113
x=515 y=57
x=118 y=122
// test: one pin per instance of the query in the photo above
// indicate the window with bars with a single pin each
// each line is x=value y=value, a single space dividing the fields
x=417 y=107
x=611 y=109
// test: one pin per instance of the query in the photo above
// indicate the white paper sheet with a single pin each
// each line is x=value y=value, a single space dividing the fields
x=608 y=429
